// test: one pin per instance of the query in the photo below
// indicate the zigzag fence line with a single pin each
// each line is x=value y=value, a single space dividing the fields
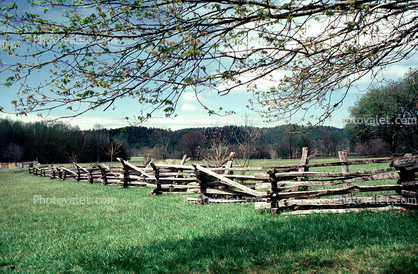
x=289 y=189
x=17 y=164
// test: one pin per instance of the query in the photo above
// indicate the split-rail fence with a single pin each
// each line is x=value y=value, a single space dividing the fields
x=291 y=189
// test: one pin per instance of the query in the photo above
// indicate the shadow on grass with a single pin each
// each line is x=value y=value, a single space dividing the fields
x=321 y=243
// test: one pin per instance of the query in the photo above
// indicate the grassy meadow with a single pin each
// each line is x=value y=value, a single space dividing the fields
x=134 y=232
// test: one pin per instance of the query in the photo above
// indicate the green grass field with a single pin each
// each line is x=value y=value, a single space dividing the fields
x=141 y=233
x=137 y=159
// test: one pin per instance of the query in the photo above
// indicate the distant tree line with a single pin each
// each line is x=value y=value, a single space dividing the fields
x=56 y=142
x=284 y=141
x=61 y=143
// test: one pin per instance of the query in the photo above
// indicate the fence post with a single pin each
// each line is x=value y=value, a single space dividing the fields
x=104 y=175
x=408 y=171
x=124 y=175
x=78 y=178
x=343 y=159
x=64 y=174
x=158 y=189
x=59 y=173
x=302 y=165
x=201 y=180
x=303 y=161
x=90 y=176
x=274 y=190
x=53 y=172
x=180 y=172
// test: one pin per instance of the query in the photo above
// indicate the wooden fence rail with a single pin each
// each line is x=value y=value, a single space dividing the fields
x=302 y=192
x=290 y=189
x=18 y=164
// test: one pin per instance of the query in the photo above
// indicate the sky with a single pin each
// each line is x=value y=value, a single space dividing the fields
x=190 y=114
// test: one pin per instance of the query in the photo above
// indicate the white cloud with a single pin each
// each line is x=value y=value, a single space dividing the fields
x=84 y=123
x=188 y=107
x=189 y=96
x=204 y=120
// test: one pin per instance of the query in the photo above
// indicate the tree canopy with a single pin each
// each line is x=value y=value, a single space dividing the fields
x=292 y=55
x=389 y=113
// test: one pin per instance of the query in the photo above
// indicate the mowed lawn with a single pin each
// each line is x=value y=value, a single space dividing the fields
x=140 y=233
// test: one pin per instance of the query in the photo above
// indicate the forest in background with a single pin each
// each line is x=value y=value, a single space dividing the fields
x=56 y=142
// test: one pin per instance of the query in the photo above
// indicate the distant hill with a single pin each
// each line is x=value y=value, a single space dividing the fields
x=270 y=139
x=60 y=143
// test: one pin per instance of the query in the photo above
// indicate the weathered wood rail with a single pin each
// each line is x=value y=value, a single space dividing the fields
x=90 y=173
x=303 y=192
x=292 y=189
x=224 y=182
x=18 y=164
x=160 y=177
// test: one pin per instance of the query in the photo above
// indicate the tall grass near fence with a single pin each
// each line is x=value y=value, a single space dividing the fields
x=141 y=233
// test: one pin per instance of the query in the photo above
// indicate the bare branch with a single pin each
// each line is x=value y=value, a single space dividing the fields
x=306 y=52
